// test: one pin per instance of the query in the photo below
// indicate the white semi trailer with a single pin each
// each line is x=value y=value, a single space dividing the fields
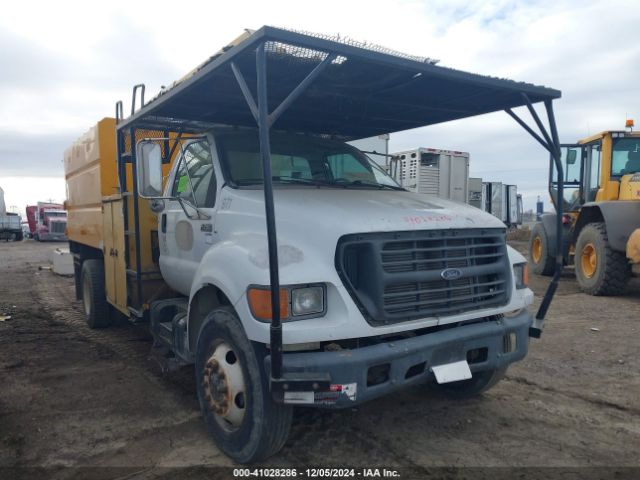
x=502 y=201
x=432 y=171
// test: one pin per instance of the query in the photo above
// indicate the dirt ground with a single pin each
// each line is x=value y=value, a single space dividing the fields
x=74 y=397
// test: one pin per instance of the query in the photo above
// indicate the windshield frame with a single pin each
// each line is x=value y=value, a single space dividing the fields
x=330 y=144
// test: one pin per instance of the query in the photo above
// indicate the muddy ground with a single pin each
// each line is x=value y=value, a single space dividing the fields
x=70 y=396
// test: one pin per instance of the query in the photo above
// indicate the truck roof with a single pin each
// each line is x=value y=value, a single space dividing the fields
x=366 y=90
x=598 y=136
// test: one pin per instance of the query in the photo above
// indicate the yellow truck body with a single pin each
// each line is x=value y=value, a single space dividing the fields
x=96 y=216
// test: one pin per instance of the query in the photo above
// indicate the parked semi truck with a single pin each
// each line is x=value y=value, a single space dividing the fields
x=283 y=263
x=47 y=222
x=10 y=223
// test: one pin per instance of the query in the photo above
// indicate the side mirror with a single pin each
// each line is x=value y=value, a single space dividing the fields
x=571 y=156
x=149 y=169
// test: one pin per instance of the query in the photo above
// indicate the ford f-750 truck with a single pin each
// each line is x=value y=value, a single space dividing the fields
x=282 y=262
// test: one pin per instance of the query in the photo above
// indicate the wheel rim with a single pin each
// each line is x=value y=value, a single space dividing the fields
x=536 y=249
x=224 y=387
x=589 y=260
x=86 y=295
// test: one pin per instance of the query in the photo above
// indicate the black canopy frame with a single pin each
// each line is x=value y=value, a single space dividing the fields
x=318 y=86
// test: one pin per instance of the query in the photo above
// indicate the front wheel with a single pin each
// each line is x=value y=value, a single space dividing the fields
x=600 y=270
x=233 y=391
x=542 y=262
x=476 y=385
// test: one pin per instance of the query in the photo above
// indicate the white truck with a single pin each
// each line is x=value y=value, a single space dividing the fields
x=364 y=289
x=10 y=223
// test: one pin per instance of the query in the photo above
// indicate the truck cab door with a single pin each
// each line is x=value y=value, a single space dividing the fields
x=184 y=236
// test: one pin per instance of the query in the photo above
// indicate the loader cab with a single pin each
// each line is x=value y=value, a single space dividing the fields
x=594 y=169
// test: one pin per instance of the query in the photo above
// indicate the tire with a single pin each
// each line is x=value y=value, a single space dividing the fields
x=36 y=237
x=256 y=427
x=19 y=237
x=599 y=269
x=94 y=300
x=542 y=263
x=479 y=383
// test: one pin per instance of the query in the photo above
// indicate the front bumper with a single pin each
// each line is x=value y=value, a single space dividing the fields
x=400 y=362
x=53 y=237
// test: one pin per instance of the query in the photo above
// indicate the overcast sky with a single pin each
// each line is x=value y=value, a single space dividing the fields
x=64 y=64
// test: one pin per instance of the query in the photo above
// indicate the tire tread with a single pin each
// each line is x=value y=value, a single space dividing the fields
x=617 y=271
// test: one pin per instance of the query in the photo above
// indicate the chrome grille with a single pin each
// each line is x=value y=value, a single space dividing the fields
x=57 y=227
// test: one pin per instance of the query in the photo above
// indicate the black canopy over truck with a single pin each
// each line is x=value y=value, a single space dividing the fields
x=364 y=312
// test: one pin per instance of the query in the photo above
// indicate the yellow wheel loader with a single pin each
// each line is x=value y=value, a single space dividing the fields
x=601 y=213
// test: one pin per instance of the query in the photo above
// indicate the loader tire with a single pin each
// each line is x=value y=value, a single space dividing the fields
x=542 y=263
x=600 y=270
x=233 y=390
x=94 y=300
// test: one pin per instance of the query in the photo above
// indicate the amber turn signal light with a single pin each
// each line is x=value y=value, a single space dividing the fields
x=260 y=303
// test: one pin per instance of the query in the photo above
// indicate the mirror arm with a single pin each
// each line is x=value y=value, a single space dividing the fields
x=200 y=215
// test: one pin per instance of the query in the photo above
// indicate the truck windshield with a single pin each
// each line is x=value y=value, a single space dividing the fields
x=301 y=160
x=626 y=156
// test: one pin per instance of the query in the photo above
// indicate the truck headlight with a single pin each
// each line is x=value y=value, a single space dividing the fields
x=295 y=301
x=521 y=275
x=307 y=301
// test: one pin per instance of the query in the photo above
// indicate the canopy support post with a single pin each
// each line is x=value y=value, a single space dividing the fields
x=279 y=382
x=265 y=154
x=552 y=144
x=551 y=290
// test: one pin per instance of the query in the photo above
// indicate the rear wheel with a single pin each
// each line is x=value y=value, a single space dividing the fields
x=542 y=262
x=599 y=269
x=233 y=390
x=94 y=300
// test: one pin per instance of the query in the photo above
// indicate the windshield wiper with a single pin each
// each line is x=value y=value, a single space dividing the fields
x=303 y=181
x=381 y=186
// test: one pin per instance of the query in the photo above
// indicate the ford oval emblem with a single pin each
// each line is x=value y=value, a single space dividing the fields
x=451 y=274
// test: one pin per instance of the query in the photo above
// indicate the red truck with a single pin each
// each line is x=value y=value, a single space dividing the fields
x=47 y=221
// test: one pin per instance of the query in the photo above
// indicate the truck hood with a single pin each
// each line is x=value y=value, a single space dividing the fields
x=346 y=211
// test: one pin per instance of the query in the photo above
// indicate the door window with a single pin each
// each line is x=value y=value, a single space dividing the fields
x=571 y=159
x=592 y=173
x=195 y=178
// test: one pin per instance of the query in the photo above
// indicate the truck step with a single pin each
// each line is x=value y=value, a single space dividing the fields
x=165 y=358
x=165 y=333
x=169 y=326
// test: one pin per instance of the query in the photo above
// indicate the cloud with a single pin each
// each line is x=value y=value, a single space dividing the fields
x=66 y=66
